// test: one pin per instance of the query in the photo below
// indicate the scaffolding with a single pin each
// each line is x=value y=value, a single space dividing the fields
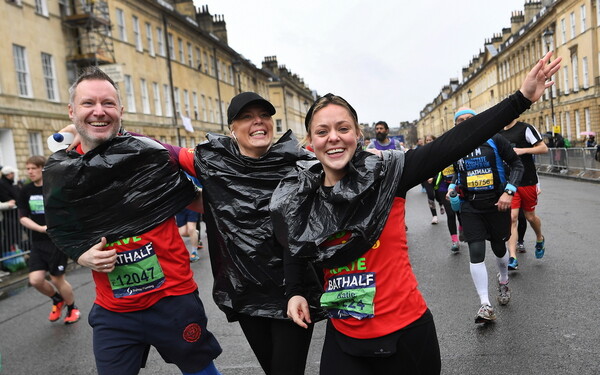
x=88 y=27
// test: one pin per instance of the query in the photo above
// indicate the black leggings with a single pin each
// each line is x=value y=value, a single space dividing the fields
x=521 y=225
x=477 y=250
x=451 y=215
x=417 y=352
x=280 y=346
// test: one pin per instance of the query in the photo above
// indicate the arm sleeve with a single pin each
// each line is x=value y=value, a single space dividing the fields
x=424 y=161
x=293 y=269
x=510 y=157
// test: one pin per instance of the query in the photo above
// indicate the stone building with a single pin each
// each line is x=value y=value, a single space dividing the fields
x=170 y=59
x=570 y=28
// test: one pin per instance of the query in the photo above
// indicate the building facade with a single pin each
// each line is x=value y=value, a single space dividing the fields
x=568 y=27
x=169 y=58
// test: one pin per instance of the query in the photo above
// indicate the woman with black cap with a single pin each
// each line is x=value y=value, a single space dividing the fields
x=345 y=213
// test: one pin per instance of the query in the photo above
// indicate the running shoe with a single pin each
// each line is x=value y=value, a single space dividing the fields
x=513 y=264
x=503 y=293
x=455 y=247
x=72 y=316
x=56 y=311
x=194 y=257
x=442 y=210
x=540 y=248
x=200 y=245
x=485 y=314
x=521 y=247
x=434 y=220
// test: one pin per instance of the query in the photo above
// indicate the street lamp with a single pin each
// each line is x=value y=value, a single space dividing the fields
x=548 y=36
x=469 y=92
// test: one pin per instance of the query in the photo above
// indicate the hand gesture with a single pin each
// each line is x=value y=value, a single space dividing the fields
x=298 y=311
x=537 y=80
x=98 y=259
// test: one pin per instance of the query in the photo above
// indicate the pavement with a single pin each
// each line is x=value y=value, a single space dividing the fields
x=549 y=326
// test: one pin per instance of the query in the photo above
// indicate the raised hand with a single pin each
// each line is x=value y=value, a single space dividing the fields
x=538 y=78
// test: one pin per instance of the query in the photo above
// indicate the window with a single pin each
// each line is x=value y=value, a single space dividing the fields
x=35 y=144
x=205 y=62
x=129 y=93
x=157 y=102
x=588 y=121
x=217 y=111
x=180 y=43
x=64 y=7
x=160 y=41
x=195 y=102
x=568 y=123
x=563 y=30
x=137 y=34
x=583 y=16
x=213 y=68
x=41 y=7
x=22 y=70
x=279 y=126
x=598 y=12
x=168 y=104
x=170 y=45
x=145 y=98
x=183 y=142
x=190 y=52
x=121 y=25
x=566 y=79
x=49 y=77
x=203 y=99
x=211 y=115
x=572 y=18
x=577 y=122
x=231 y=76
x=575 y=65
x=177 y=101
x=186 y=103
x=586 y=73
x=198 y=59
x=149 y=40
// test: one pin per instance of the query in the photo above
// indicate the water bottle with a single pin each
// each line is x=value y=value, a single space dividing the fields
x=454 y=201
x=59 y=141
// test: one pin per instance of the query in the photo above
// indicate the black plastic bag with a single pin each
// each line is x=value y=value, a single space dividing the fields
x=306 y=214
x=246 y=259
x=121 y=188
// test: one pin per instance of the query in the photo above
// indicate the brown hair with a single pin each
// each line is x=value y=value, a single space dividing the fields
x=37 y=160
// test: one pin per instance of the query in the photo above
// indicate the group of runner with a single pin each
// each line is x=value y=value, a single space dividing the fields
x=277 y=217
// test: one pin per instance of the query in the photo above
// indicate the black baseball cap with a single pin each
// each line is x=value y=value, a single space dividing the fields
x=242 y=100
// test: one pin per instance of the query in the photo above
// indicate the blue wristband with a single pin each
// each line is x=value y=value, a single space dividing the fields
x=511 y=187
x=452 y=186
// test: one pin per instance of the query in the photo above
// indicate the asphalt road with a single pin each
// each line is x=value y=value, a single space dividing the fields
x=549 y=327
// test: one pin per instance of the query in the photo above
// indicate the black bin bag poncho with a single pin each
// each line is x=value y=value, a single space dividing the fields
x=122 y=188
x=307 y=214
x=246 y=258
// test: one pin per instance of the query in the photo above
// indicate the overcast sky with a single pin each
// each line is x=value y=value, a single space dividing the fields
x=387 y=58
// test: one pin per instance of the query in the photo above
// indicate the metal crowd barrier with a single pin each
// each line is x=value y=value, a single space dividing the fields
x=575 y=158
x=14 y=238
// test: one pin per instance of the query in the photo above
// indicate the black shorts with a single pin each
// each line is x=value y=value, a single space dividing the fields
x=186 y=216
x=491 y=225
x=175 y=326
x=45 y=256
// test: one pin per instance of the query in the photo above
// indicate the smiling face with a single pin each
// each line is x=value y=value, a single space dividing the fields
x=96 y=112
x=334 y=136
x=253 y=129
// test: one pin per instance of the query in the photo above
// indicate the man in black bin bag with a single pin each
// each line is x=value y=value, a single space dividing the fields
x=487 y=188
x=110 y=205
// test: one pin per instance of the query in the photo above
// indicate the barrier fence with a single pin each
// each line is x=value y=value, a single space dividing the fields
x=581 y=159
x=14 y=241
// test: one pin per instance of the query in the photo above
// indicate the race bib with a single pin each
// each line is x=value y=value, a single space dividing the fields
x=136 y=271
x=350 y=295
x=480 y=181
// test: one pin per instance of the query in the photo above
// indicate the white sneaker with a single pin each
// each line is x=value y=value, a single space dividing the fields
x=485 y=314
x=434 y=220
